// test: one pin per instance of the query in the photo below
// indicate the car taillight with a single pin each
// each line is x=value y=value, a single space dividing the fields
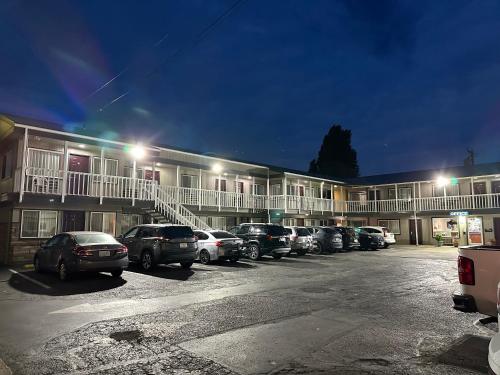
x=122 y=250
x=82 y=251
x=269 y=237
x=466 y=271
x=219 y=243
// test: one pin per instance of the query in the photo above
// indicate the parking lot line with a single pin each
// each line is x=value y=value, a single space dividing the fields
x=30 y=279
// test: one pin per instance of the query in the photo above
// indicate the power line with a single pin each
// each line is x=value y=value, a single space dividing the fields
x=194 y=42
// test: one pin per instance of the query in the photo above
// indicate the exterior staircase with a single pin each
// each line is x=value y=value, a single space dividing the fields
x=168 y=210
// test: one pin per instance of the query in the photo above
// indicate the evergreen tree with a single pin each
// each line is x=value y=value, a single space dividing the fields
x=336 y=157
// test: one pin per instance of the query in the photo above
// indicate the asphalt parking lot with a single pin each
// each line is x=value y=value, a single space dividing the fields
x=380 y=312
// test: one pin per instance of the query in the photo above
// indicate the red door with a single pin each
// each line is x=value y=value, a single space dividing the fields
x=79 y=181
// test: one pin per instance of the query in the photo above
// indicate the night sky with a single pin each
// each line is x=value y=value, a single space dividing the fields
x=417 y=82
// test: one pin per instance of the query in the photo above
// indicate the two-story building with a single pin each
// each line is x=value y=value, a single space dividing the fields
x=54 y=180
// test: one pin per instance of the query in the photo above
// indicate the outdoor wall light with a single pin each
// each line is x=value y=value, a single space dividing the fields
x=137 y=152
x=81 y=146
x=217 y=168
x=442 y=181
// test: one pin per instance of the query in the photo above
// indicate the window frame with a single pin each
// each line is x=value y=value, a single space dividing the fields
x=388 y=227
x=103 y=213
x=38 y=226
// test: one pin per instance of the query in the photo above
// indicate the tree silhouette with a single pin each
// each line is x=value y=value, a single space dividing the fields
x=336 y=157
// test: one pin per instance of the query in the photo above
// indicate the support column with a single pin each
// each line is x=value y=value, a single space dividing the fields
x=419 y=197
x=101 y=185
x=332 y=198
x=284 y=187
x=445 y=198
x=396 y=194
x=237 y=193
x=134 y=178
x=321 y=195
x=23 y=165
x=268 y=199
x=342 y=202
x=177 y=190
x=199 y=190
x=254 y=196
x=415 y=215
x=472 y=192
x=375 y=199
x=65 y=172
x=153 y=186
x=311 y=198
x=219 y=192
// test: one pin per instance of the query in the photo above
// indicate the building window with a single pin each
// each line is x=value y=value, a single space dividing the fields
x=259 y=189
x=373 y=195
x=391 y=224
x=103 y=222
x=479 y=188
x=451 y=190
x=189 y=181
x=130 y=220
x=222 y=186
x=276 y=189
x=403 y=193
x=7 y=165
x=445 y=226
x=38 y=224
x=44 y=159
x=110 y=166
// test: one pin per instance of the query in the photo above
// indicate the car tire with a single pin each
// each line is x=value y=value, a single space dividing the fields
x=386 y=245
x=254 y=252
x=36 y=265
x=186 y=265
x=147 y=260
x=62 y=271
x=204 y=257
x=277 y=256
x=373 y=248
x=318 y=249
x=116 y=273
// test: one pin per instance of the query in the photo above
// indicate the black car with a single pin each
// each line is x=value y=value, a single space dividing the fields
x=327 y=239
x=72 y=252
x=152 y=244
x=263 y=239
x=349 y=238
x=368 y=241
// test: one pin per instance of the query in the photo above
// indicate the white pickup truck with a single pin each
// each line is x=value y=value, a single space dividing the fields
x=494 y=349
x=479 y=275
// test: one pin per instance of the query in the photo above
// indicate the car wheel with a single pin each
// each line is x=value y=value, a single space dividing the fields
x=254 y=252
x=374 y=248
x=386 y=245
x=63 y=271
x=186 y=265
x=301 y=252
x=116 y=273
x=318 y=249
x=147 y=262
x=36 y=264
x=204 y=257
x=277 y=256
x=234 y=260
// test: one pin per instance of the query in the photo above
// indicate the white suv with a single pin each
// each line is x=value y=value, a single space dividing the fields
x=383 y=232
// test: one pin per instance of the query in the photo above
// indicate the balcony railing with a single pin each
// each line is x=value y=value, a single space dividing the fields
x=55 y=182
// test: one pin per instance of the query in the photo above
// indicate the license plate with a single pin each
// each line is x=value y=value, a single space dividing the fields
x=183 y=245
x=106 y=253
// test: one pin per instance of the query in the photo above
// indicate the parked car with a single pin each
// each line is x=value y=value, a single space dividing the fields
x=494 y=348
x=153 y=244
x=313 y=230
x=383 y=232
x=263 y=239
x=369 y=241
x=300 y=239
x=327 y=239
x=217 y=244
x=479 y=277
x=72 y=252
x=349 y=238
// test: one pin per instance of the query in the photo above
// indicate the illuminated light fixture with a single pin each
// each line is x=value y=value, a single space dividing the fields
x=225 y=174
x=334 y=186
x=158 y=164
x=249 y=177
x=217 y=168
x=442 y=181
x=137 y=152
x=82 y=146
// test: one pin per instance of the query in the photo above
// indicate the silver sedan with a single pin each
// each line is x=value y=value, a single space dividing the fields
x=217 y=245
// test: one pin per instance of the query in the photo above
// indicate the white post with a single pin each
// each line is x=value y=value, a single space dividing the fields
x=445 y=199
x=268 y=199
x=134 y=172
x=415 y=215
x=65 y=172
x=332 y=198
x=321 y=195
x=254 y=197
x=219 y=192
x=396 y=194
x=342 y=202
x=472 y=192
x=153 y=182
x=311 y=198
x=177 y=190
x=419 y=197
x=101 y=185
x=199 y=190
x=23 y=165
x=237 y=193
x=375 y=199
x=284 y=187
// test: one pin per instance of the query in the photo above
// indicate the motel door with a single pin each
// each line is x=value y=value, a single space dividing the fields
x=79 y=182
x=475 y=230
x=413 y=234
x=495 y=189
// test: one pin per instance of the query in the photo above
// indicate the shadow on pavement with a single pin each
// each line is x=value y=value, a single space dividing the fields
x=170 y=272
x=81 y=283
x=470 y=352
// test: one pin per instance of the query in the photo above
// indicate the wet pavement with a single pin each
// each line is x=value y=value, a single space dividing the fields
x=381 y=312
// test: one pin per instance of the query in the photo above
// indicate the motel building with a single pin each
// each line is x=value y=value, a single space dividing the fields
x=53 y=180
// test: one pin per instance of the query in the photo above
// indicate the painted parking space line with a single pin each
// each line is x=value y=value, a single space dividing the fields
x=45 y=286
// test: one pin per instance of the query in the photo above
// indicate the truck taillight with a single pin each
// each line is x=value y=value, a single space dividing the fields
x=466 y=271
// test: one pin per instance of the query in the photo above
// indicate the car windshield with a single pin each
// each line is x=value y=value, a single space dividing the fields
x=302 y=232
x=176 y=232
x=100 y=238
x=222 y=234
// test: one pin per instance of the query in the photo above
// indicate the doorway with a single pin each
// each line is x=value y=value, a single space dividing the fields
x=78 y=183
x=300 y=222
x=413 y=232
x=73 y=221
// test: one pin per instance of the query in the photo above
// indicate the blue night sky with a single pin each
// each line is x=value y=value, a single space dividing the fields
x=417 y=82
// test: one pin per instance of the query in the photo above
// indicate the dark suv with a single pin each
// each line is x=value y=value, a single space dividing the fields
x=263 y=239
x=153 y=244
x=327 y=239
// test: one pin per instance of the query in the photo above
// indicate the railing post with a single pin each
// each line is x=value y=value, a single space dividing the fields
x=284 y=187
x=472 y=192
x=268 y=199
x=134 y=168
x=219 y=197
x=65 y=172
x=332 y=200
x=101 y=185
x=237 y=193
x=199 y=191
x=23 y=165
x=177 y=190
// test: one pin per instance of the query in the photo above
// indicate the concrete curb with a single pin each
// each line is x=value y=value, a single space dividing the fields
x=4 y=369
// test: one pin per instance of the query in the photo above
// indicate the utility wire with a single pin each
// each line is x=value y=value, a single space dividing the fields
x=194 y=42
